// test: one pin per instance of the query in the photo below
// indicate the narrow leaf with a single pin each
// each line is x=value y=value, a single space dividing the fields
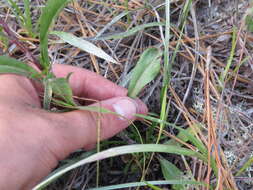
x=245 y=166
x=28 y=18
x=145 y=71
x=129 y=149
x=16 y=10
x=141 y=184
x=84 y=45
x=130 y=32
x=113 y=21
x=13 y=66
x=49 y=12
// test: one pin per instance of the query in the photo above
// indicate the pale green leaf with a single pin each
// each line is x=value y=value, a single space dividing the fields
x=113 y=21
x=248 y=164
x=130 y=32
x=13 y=66
x=145 y=71
x=171 y=172
x=141 y=184
x=84 y=45
x=129 y=149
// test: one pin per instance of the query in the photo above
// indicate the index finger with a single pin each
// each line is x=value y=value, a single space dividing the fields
x=87 y=84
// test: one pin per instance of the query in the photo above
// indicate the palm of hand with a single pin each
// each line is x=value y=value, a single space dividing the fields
x=32 y=140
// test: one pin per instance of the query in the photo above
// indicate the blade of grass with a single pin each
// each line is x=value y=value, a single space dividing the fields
x=127 y=9
x=153 y=186
x=129 y=32
x=231 y=57
x=245 y=166
x=121 y=151
x=190 y=137
x=113 y=21
x=141 y=184
x=166 y=71
x=84 y=45
x=17 y=12
x=28 y=18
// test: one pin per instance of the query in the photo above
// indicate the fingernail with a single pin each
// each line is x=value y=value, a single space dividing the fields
x=126 y=108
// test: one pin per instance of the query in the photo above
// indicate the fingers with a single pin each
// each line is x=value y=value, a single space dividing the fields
x=80 y=127
x=87 y=84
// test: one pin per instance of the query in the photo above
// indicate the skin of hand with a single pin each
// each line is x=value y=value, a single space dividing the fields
x=32 y=140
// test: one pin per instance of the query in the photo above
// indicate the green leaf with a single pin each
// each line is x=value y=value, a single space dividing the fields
x=171 y=172
x=153 y=186
x=84 y=45
x=13 y=66
x=49 y=12
x=28 y=17
x=62 y=89
x=16 y=10
x=186 y=135
x=121 y=151
x=141 y=184
x=129 y=32
x=245 y=166
x=4 y=39
x=113 y=21
x=145 y=71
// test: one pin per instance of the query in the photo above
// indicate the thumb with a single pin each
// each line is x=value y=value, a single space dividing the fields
x=80 y=127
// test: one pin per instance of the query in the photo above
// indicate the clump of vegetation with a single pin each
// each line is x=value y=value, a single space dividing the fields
x=174 y=58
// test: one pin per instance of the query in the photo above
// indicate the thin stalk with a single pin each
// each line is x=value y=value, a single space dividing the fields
x=127 y=9
x=166 y=80
x=28 y=18
x=231 y=57
x=21 y=46
x=167 y=70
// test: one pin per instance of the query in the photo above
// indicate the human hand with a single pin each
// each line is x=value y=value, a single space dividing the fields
x=32 y=140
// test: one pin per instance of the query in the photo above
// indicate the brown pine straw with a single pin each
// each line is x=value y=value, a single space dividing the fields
x=224 y=174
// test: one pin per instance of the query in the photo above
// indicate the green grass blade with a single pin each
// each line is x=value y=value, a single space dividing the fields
x=245 y=166
x=231 y=57
x=141 y=184
x=13 y=66
x=84 y=45
x=4 y=39
x=18 y=13
x=166 y=70
x=28 y=18
x=49 y=12
x=153 y=186
x=145 y=71
x=129 y=32
x=113 y=21
x=129 y=149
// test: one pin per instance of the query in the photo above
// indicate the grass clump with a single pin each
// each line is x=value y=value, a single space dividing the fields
x=192 y=69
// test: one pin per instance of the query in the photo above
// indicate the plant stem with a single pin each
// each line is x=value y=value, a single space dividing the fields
x=15 y=40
